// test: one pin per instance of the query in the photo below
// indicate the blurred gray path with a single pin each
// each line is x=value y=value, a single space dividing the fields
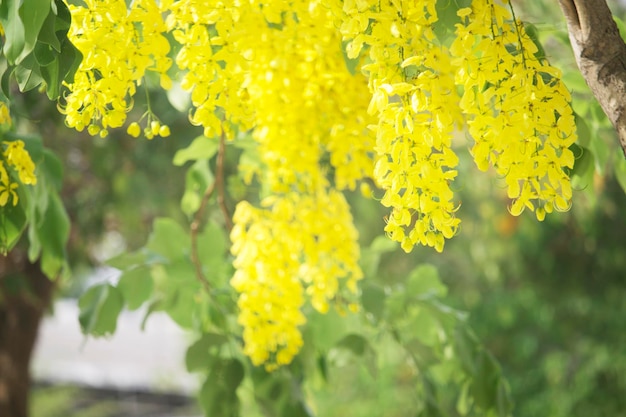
x=152 y=360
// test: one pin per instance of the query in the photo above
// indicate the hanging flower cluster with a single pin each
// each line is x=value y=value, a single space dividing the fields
x=16 y=165
x=119 y=46
x=15 y=158
x=517 y=109
x=333 y=92
x=414 y=98
x=294 y=245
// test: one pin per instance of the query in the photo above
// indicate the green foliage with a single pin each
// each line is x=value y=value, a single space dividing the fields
x=99 y=308
x=35 y=45
x=543 y=299
x=40 y=212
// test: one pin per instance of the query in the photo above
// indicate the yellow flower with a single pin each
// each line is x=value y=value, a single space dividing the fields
x=7 y=188
x=5 y=116
x=17 y=157
x=134 y=129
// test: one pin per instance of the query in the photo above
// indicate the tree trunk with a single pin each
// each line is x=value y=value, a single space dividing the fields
x=25 y=294
x=600 y=54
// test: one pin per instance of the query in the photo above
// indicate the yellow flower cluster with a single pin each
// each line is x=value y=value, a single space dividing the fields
x=16 y=158
x=414 y=98
x=517 y=108
x=294 y=245
x=119 y=45
x=5 y=115
x=294 y=60
x=306 y=109
x=213 y=66
x=278 y=70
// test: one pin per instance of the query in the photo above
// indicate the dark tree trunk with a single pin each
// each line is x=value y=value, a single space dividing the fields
x=25 y=294
x=600 y=54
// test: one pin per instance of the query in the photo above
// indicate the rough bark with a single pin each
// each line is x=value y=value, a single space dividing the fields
x=601 y=56
x=25 y=294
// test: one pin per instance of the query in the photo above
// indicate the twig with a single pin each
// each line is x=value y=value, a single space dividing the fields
x=195 y=229
x=219 y=180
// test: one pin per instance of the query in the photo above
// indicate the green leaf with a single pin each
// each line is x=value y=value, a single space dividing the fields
x=197 y=179
x=582 y=130
x=51 y=76
x=356 y=343
x=601 y=151
x=424 y=281
x=351 y=64
x=361 y=348
x=44 y=54
x=180 y=272
x=199 y=356
x=504 y=403
x=34 y=14
x=169 y=239
x=533 y=33
x=370 y=258
x=212 y=246
x=130 y=260
x=232 y=372
x=28 y=74
x=136 y=286
x=14 y=32
x=53 y=234
x=466 y=348
x=52 y=169
x=373 y=299
x=218 y=395
x=464 y=402
x=181 y=306
x=99 y=308
x=423 y=326
x=447 y=18
x=620 y=171
x=382 y=244
x=200 y=148
x=484 y=388
x=5 y=82
x=47 y=34
x=295 y=409
x=327 y=329
x=12 y=224
x=69 y=61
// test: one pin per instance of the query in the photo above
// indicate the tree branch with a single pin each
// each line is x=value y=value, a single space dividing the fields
x=195 y=229
x=600 y=54
x=219 y=180
x=198 y=217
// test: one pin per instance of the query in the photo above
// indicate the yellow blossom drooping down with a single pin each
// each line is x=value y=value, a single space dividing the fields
x=322 y=123
x=18 y=158
x=414 y=98
x=15 y=158
x=302 y=243
x=518 y=110
x=119 y=45
x=294 y=245
x=7 y=188
x=5 y=115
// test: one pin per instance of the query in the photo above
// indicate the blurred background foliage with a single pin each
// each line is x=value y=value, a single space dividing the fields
x=548 y=300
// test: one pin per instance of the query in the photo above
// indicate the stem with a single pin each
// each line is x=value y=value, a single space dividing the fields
x=219 y=180
x=195 y=229
x=519 y=36
x=197 y=219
